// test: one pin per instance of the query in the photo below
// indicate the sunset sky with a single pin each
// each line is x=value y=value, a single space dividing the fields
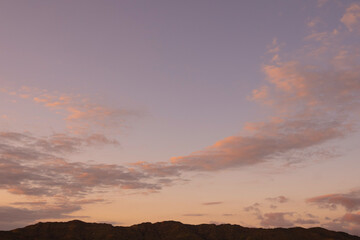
x=242 y=112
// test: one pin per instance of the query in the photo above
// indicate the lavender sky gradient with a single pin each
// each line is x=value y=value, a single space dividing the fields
x=240 y=112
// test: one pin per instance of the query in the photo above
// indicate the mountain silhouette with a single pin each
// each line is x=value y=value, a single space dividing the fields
x=168 y=230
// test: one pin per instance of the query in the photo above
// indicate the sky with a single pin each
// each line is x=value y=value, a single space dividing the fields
x=123 y=112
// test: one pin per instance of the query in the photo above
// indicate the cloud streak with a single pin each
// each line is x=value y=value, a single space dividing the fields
x=211 y=203
x=194 y=215
x=80 y=113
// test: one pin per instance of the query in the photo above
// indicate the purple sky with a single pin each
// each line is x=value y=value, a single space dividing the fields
x=241 y=112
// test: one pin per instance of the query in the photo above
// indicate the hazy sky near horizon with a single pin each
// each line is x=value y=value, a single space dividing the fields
x=242 y=112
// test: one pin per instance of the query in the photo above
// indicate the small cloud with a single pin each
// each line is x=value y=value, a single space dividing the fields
x=228 y=214
x=194 y=215
x=274 y=47
x=260 y=94
x=310 y=215
x=313 y=22
x=321 y=3
x=212 y=203
x=279 y=199
x=306 y=221
x=216 y=222
x=253 y=207
x=276 y=220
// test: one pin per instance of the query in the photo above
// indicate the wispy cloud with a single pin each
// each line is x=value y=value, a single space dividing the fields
x=212 y=203
x=313 y=22
x=302 y=221
x=322 y=2
x=29 y=145
x=194 y=215
x=80 y=113
x=228 y=214
x=279 y=199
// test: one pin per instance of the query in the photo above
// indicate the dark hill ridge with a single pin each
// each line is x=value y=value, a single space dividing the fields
x=169 y=230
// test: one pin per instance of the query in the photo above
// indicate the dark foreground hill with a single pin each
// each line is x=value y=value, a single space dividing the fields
x=170 y=230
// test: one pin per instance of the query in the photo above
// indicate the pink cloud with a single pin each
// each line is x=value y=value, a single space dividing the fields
x=350 y=201
x=351 y=18
x=64 y=143
x=268 y=142
x=261 y=95
x=313 y=22
x=80 y=113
